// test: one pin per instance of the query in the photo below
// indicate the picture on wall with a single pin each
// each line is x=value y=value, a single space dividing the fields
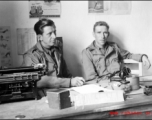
x=26 y=38
x=5 y=47
x=44 y=8
x=96 y=7
x=109 y=7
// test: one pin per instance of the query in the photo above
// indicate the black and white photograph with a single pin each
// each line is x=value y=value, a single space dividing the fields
x=44 y=8
x=75 y=59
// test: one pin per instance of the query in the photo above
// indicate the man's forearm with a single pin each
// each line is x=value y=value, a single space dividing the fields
x=136 y=57
x=53 y=82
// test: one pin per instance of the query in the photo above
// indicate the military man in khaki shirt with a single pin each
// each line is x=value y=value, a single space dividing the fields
x=48 y=52
x=102 y=58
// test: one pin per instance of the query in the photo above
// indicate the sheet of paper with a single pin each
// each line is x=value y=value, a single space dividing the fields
x=120 y=7
x=146 y=78
x=5 y=46
x=26 y=38
x=44 y=8
x=139 y=91
x=98 y=98
x=109 y=7
x=91 y=88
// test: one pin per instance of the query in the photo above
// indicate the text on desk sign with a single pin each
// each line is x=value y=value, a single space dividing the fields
x=98 y=98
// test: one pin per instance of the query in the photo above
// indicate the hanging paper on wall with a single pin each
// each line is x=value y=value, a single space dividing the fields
x=26 y=38
x=46 y=8
x=5 y=47
x=109 y=7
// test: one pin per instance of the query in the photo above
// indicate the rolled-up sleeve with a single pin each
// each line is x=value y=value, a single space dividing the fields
x=53 y=82
x=46 y=81
x=127 y=55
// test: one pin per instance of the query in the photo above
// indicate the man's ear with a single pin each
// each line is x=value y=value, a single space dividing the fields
x=108 y=34
x=39 y=37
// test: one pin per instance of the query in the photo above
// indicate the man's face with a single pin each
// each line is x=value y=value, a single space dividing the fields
x=101 y=34
x=49 y=36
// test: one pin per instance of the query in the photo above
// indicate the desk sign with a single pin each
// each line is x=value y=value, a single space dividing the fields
x=64 y=98
x=98 y=98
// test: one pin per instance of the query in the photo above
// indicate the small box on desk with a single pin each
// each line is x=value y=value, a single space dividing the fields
x=58 y=98
x=78 y=96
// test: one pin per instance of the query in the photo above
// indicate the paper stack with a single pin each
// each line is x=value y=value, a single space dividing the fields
x=94 y=94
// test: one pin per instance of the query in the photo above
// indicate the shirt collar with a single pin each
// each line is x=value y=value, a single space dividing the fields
x=93 y=46
x=97 y=46
x=43 y=49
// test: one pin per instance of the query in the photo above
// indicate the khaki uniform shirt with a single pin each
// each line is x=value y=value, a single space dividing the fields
x=54 y=62
x=99 y=63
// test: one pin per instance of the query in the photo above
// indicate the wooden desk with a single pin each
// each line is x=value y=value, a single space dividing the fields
x=36 y=109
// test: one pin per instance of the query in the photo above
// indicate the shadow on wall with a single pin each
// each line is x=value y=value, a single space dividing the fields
x=115 y=39
x=72 y=58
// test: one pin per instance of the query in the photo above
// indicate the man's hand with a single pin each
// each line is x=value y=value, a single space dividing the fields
x=146 y=61
x=77 y=81
x=40 y=65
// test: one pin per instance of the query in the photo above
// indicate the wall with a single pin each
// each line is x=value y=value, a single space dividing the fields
x=132 y=32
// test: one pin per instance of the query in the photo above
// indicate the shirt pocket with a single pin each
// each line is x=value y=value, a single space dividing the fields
x=99 y=63
x=114 y=64
x=97 y=58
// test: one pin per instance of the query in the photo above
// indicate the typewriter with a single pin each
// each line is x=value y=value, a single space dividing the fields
x=19 y=83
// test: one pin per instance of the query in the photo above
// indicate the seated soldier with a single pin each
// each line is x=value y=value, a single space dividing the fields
x=102 y=58
x=48 y=52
